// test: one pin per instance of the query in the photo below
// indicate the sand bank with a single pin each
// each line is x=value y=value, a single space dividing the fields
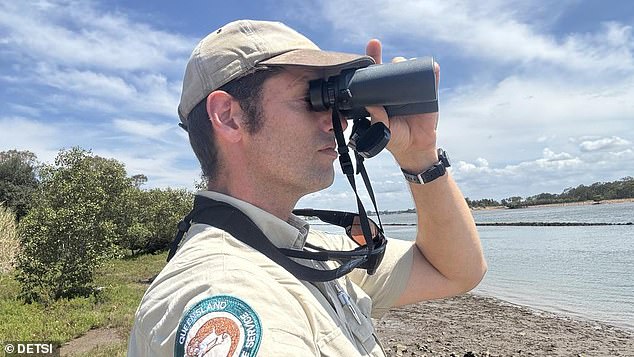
x=473 y=325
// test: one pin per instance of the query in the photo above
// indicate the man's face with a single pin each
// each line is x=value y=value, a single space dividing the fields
x=295 y=148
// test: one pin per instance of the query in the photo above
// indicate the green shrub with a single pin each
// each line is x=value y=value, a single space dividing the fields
x=72 y=227
x=9 y=243
x=154 y=215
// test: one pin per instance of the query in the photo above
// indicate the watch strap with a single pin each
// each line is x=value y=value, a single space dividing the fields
x=430 y=174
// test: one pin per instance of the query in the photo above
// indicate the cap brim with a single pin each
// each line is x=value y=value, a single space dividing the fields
x=330 y=61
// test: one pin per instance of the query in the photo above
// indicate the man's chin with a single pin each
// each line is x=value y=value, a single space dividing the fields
x=324 y=182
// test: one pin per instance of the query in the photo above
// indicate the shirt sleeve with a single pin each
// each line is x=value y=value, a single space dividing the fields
x=389 y=281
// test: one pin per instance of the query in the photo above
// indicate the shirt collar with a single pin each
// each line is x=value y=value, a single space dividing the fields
x=289 y=234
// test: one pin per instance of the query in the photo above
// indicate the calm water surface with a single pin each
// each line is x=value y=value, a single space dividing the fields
x=585 y=271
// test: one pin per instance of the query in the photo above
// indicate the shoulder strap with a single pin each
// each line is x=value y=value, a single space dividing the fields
x=230 y=219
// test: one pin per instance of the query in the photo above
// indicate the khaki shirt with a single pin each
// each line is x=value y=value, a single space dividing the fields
x=221 y=296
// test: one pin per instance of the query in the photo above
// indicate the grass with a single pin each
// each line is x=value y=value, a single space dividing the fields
x=114 y=307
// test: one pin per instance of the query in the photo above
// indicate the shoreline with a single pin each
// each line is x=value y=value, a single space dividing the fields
x=563 y=204
x=558 y=311
x=487 y=326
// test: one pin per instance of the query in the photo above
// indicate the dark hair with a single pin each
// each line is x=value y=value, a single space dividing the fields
x=247 y=90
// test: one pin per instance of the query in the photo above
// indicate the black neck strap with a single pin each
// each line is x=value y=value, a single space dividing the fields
x=348 y=170
x=239 y=225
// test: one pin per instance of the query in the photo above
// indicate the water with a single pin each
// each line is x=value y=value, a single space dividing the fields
x=584 y=271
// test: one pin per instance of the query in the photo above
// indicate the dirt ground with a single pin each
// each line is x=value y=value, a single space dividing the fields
x=473 y=325
x=92 y=339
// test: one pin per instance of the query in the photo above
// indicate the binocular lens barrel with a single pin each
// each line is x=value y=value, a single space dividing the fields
x=407 y=87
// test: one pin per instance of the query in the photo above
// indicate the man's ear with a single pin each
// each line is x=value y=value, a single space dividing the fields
x=225 y=113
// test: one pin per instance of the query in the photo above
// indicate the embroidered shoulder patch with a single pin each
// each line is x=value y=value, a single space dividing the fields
x=220 y=325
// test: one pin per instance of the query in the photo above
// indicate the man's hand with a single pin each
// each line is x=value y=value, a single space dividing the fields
x=413 y=141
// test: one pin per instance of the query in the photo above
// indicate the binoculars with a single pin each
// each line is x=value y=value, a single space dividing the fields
x=403 y=88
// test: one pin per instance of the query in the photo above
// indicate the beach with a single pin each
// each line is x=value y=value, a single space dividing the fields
x=475 y=325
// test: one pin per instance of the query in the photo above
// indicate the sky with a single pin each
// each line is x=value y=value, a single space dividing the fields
x=535 y=96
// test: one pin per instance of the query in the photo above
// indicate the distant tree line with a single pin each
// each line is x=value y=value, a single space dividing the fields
x=598 y=191
x=77 y=212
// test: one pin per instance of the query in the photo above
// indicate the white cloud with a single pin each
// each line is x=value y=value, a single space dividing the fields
x=162 y=165
x=551 y=172
x=24 y=110
x=151 y=93
x=482 y=162
x=77 y=33
x=39 y=137
x=603 y=144
x=550 y=156
x=88 y=83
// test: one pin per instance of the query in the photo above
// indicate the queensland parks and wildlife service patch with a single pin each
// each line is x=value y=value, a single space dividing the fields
x=220 y=325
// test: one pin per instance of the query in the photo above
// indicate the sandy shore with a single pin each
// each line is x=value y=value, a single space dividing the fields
x=474 y=325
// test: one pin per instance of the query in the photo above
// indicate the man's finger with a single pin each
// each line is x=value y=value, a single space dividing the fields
x=373 y=49
x=378 y=114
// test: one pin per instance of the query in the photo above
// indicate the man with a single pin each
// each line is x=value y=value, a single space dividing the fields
x=262 y=147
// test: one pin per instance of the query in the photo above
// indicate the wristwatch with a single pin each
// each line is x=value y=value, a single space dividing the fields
x=435 y=171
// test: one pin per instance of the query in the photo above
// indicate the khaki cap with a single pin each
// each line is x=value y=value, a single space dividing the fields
x=238 y=47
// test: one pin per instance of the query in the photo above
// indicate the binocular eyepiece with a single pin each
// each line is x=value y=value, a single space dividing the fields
x=403 y=88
